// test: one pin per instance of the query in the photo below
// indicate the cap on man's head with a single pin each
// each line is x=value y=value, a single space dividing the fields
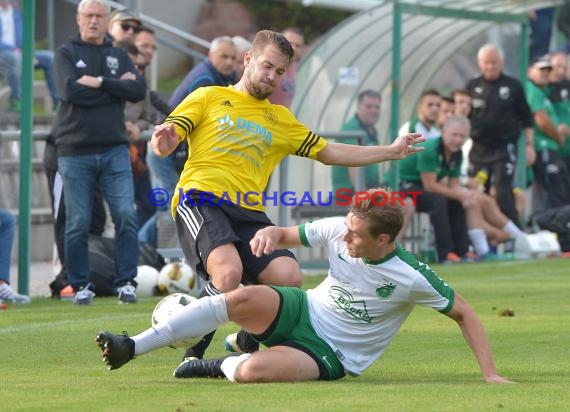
x=542 y=62
x=124 y=15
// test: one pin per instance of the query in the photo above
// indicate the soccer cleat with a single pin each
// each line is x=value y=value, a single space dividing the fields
x=126 y=293
x=117 y=349
x=9 y=294
x=201 y=368
x=241 y=342
x=83 y=296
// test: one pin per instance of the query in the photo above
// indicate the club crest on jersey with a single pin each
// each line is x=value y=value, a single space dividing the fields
x=112 y=64
x=385 y=291
x=345 y=301
x=270 y=116
x=504 y=92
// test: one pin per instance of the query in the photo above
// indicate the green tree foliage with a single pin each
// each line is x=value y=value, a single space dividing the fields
x=275 y=15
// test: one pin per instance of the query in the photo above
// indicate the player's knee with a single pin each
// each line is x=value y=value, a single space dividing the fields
x=226 y=279
x=250 y=372
x=286 y=273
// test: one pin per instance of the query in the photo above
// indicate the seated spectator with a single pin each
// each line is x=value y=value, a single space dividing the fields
x=11 y=31
x=7 y=227
x=456 y=214
x=242 y=46
x=364 y=120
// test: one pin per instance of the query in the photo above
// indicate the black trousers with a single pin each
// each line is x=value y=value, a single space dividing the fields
x=499 y=164
x=552 y=173
x=447 y=218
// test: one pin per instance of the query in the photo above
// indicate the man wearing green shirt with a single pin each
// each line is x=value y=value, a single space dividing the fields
x=435 y=172
x=367 y=115
x=549 y=169
x=560 y=97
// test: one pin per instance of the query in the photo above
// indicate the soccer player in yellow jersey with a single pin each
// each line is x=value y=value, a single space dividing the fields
x=236 y=138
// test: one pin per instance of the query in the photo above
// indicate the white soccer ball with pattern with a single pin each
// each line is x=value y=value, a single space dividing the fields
x=147 y=281
x=167 y=307
x=177 y=277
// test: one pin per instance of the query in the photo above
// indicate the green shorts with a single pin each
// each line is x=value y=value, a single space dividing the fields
x=292 y=327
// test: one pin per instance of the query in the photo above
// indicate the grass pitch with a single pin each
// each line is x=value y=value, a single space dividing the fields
x=50 y=361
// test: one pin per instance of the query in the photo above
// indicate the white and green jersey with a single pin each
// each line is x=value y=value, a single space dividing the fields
x=361 y=304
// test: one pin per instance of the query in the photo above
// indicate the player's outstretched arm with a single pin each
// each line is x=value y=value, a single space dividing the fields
x=271 y=238
x=354 y=155
x=474 y=334
x=164 y=139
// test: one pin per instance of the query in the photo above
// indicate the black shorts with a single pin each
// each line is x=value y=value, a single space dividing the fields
x=203 y=226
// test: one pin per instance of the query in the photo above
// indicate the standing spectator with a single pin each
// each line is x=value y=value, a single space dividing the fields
x=499 y=113
x=237 y=137
x=60 y=286
x=550 y=171
x=425 y=119
x=446 y=110
x=138 y=118
x=285 y=93
x=541 y=22
x=11 y=31
x=123 y=25
x=242 y=46
x=462 y=99
x=560 y=97
x=95 y=79
x=365 y=119
x=7 y=229
x=217 y=70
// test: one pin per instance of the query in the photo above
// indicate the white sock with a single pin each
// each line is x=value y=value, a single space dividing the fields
x=230 y=365
x=479 y=241
x=196 y=319
x=512 y=229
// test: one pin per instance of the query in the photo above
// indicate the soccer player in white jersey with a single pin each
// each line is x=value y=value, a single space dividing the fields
x=340 y=327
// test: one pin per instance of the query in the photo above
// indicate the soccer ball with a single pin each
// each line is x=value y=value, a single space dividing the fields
x=147 y=281
x=177 y=277
x=170 y=305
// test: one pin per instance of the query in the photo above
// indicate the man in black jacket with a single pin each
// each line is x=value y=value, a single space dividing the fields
x=499 y=113
x=94 y=80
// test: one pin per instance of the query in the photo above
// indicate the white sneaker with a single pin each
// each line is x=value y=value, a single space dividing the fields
x=83 y=296
x=126 y=293
x=9 y=294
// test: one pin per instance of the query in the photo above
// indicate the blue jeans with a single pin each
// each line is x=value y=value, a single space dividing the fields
x=11 y=69
x=112 y=171
x=163 y=172
x=7 y=228
x=44 y=61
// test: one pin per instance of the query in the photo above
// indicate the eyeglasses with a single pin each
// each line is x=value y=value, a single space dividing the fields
x=90 y=16
x=128 y=26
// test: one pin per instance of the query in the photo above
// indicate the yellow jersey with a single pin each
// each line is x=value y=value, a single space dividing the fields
x=235 y=141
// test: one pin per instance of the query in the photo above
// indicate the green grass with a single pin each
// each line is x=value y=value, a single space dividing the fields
x=50 y=362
